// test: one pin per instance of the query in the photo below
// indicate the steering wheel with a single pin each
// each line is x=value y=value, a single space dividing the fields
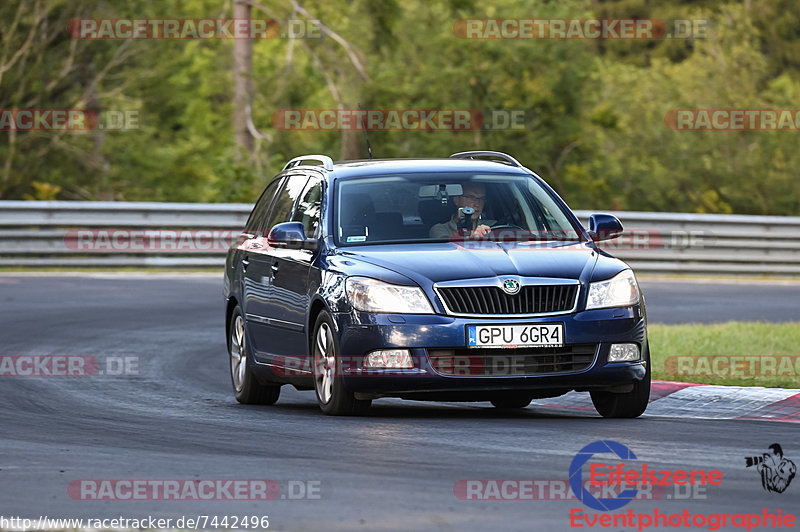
x=507 y=226
x=508 y=232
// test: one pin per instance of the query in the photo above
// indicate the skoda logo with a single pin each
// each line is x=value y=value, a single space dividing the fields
x=511 y=286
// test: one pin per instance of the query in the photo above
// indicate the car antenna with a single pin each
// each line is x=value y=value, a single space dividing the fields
x=366 y=135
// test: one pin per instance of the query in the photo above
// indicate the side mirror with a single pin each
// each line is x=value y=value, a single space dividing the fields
x=291 y=235
x=604 y=227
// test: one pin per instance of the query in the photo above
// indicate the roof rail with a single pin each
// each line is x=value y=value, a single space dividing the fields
x=326 y=161
x=473 y=154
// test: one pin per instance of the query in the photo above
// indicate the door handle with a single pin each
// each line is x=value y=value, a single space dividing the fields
x=245 y=264
x=275 y=268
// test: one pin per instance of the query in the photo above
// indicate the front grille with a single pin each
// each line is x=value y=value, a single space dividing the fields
x=536 y=299
x=512 y=362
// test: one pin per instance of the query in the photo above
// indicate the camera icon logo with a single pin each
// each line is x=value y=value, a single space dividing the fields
x=776 y=470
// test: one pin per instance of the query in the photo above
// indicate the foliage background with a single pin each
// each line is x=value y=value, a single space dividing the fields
x=595 y=108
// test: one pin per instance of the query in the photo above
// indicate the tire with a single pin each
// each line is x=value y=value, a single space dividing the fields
x=625 y=405
x=246 y=387
x=333 y=397
x=512 y=401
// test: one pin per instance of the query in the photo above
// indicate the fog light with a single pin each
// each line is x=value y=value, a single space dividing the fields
x=623 y=353
x=389 y=358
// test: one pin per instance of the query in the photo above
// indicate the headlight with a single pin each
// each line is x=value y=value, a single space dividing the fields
x=371 y=295
x=619 y=291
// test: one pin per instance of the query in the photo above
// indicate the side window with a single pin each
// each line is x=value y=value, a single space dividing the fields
x=310 y=205
x=284 y=201
x=262 y=206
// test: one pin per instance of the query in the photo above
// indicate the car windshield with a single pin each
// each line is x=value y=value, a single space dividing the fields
x=448 y=206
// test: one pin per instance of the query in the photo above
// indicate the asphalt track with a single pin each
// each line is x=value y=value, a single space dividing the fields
x=394 y=470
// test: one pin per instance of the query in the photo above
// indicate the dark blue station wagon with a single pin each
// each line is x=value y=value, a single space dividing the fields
x=457 y=279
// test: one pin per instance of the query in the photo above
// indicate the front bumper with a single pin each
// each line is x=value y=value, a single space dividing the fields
x=360 y=333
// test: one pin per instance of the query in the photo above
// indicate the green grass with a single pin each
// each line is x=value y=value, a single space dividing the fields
x=687 y=353
x=744 y=278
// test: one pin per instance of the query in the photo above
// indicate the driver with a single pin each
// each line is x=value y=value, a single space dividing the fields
x=472 y=195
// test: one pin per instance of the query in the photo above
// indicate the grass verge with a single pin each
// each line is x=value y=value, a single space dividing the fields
x=733 y=353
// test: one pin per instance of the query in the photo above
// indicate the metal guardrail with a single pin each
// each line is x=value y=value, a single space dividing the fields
x=43 y=234
x=708 y=244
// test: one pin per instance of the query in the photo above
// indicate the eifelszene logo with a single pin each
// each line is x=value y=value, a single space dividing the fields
x=576 y=475
x=626 y=480
x=776 y=471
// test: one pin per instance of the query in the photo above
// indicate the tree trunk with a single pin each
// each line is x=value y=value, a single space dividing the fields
x=242 y=80
x=353 y=145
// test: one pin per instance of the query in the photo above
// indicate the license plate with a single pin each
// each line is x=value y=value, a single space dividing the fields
x=540 y=335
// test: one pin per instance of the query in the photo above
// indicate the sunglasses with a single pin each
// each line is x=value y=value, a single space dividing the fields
x=470 y=197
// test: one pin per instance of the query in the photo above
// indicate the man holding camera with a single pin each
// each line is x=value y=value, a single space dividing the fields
x=776 y=471
x=470 y=202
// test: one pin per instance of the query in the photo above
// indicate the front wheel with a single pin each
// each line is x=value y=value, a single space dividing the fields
x=625 y=405
x=246 y=387
x=333 y=397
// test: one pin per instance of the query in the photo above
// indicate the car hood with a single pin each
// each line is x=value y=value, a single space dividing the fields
x=438 y=262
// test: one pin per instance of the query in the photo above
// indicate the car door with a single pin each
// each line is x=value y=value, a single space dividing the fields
x=255 y=268
x=289 y=299
x=268 y=327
